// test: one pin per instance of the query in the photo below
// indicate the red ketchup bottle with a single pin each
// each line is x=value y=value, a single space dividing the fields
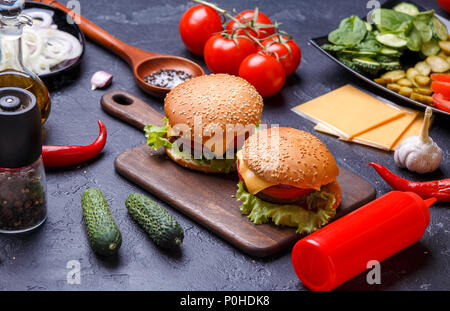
x=341 y=250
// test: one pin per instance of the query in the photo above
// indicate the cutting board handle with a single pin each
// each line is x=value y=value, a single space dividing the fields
x=130 y=109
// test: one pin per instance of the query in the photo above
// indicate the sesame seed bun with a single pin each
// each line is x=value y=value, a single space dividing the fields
x=219 y=99
x=291 y=157
x=187 y=163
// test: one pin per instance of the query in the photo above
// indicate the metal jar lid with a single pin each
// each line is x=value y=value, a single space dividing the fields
x=20 y=128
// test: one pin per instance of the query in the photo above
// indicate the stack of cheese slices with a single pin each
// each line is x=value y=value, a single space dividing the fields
x=356 y=116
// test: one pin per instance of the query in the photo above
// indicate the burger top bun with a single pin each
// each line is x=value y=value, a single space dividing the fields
x=218 y=99
x=291 y=157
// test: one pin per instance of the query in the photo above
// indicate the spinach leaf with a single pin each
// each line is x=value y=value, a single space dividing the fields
x=414 y=40
x=425 y=16
x=369 y=43
x=351 y=31
x=390 y=20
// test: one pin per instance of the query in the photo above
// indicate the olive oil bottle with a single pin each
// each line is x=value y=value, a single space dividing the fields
x=12 y=71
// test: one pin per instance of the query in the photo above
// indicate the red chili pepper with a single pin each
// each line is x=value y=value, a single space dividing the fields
x=57 y=156
x=439 y=189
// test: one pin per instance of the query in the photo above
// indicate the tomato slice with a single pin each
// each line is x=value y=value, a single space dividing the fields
x=285 y=191
x=441 y=102
x=443 y=77
x=441 y=87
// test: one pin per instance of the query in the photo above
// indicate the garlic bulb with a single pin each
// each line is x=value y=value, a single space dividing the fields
x=419 y=153
x=101 y=79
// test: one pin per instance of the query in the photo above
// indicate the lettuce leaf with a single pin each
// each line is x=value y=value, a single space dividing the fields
x=157 y=138
x=306 y=221
x=157 y=135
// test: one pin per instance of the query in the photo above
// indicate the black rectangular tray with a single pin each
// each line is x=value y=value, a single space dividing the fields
x=407 y=59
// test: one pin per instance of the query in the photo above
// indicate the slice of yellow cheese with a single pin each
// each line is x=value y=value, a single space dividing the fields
x=253 y=183
x=386 y=136
x=349 y=111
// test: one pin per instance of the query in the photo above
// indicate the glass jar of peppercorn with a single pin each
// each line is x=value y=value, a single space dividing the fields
x=22 y=175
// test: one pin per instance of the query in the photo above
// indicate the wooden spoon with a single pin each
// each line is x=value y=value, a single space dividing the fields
x=142 y=62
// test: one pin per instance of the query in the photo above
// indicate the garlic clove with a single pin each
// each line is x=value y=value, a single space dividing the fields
x=101 y=79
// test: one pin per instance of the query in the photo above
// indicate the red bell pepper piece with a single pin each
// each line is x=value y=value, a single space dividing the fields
x=441 y=87
x=441 y=102
x=443 y=77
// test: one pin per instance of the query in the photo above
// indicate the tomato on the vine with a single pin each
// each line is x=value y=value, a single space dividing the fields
x=444 y=4
x=197 y=25
x=441 y=102
x=248 y=16
x=289 y=57
x=264 y=72
x=224 y=54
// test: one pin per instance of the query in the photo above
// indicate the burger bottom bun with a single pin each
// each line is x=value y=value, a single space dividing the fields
x=187 y=163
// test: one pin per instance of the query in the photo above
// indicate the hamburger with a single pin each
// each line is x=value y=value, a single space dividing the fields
x=287 y=176
x=207 y=119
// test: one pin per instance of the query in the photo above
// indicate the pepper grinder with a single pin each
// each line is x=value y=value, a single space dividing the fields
x=22 y=175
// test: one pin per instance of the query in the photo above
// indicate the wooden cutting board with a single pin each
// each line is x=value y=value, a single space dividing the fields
x=209 y=199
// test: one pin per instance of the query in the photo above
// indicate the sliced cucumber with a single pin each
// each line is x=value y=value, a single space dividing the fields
x=366 y=64
x=387 y=58
x=440 y=30
x=362 y=53
x=407 y=8
x=388 y=51
x=332 y=47
x=348 y=62
x=367 y=61
x=394 y=65
x=430 y=48
x=391 y=40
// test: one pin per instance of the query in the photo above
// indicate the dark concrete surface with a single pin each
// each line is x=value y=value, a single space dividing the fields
x=39 y=261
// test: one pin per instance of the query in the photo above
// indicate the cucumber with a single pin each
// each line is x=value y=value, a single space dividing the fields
x=407 y=8
x=103 y=233
x=439 y=29
x=162 y=228
x=430 y=48
x=388 y=51
x=391 y=40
